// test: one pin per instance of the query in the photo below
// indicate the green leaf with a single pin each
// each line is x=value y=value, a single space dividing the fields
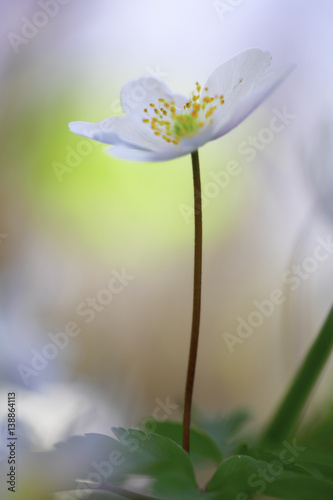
x=176 y=487
x=201 y=445
x=284 y=421
x=239 y=477
x=232 y=477
x=92 y=454
x=155 y=454
x=133 y=453
x=318 y=432
x=309 y=462
x=223 y=430
x=306 y=460
x=320 y=462
x=288 y=463
x=292 y=487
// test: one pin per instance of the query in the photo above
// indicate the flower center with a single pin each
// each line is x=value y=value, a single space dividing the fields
x=173 y=124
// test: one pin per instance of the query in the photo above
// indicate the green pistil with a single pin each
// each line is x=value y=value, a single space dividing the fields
x=185 y=125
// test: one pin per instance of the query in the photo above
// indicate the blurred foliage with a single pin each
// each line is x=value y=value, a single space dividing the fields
x=318 y=432
x=291 y=471
x=290 y=467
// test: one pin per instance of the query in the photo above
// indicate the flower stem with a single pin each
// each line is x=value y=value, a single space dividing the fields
x=284 y=421
x=196 y=301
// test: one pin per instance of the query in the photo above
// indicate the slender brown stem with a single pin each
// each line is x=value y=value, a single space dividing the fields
x=196 y=301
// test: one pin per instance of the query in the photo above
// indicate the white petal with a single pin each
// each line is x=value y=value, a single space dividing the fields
x=180 y=101
x=102 y=131
x=237 y=76
x=147 y=156
x=190 y=144
x=117 y=130
x=138 y=94
x=248 y=103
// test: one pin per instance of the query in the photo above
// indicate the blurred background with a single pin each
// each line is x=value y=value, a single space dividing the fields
x=71 y=216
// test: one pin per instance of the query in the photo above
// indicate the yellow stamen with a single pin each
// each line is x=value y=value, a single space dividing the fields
x=182 y=122
x=210 y=112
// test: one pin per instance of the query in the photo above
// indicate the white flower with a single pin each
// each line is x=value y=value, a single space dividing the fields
x=160 y=125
